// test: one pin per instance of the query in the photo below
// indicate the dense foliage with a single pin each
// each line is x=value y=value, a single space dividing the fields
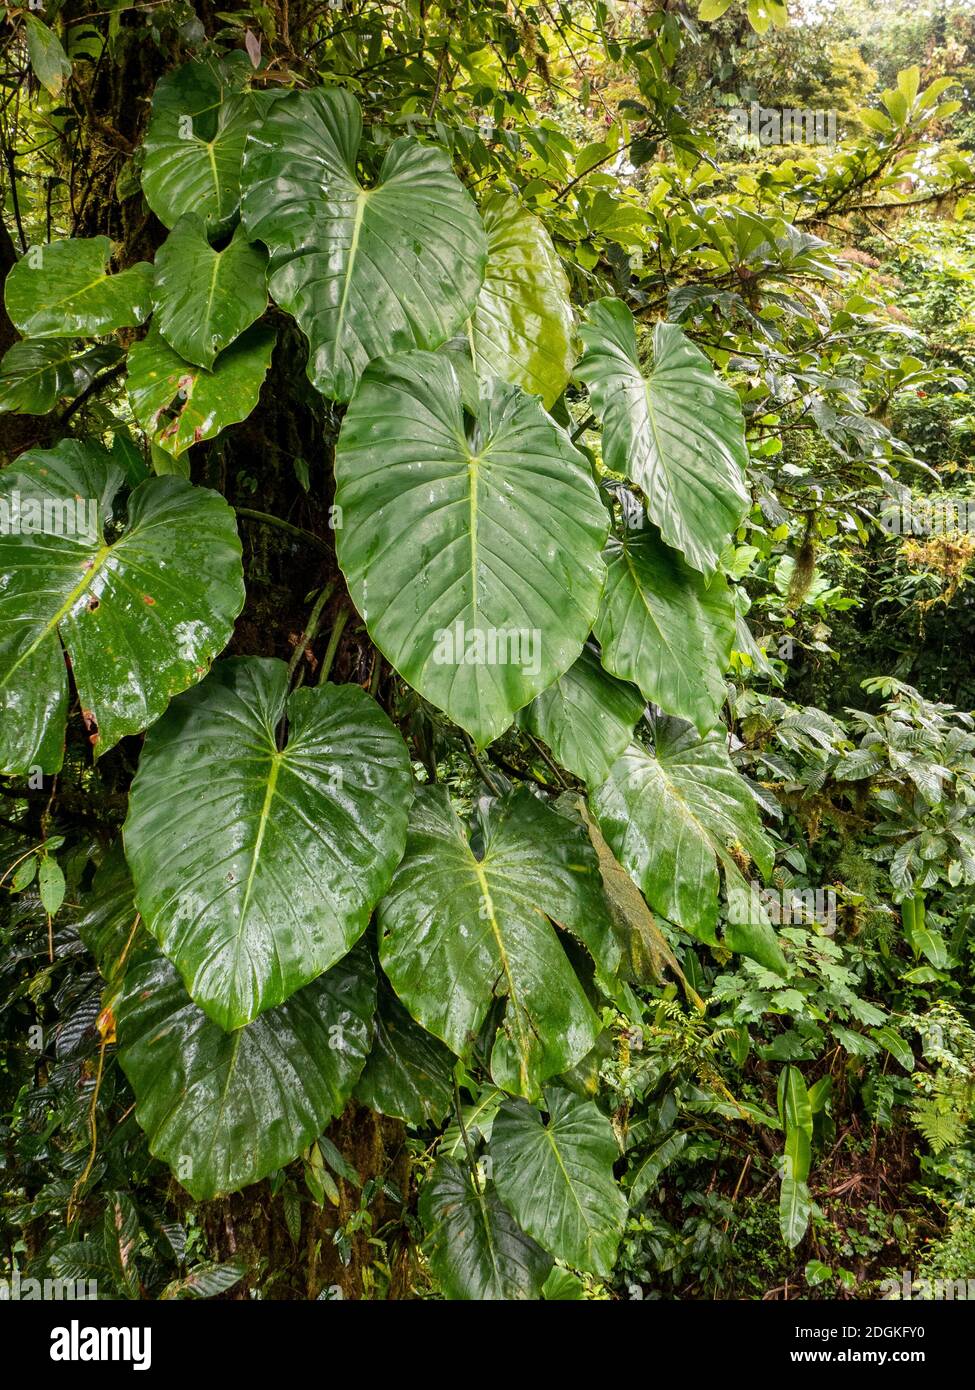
x=485 y=743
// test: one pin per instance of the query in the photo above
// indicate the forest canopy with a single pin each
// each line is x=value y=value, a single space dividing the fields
x=487 y=757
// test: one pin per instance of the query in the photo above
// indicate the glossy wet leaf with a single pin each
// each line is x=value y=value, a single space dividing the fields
x=365 y=271
x=65 y=290
x=521 y=329
x=194 y=145
x=671 y=818
x=140 y=617
x=178 y=404
x=473 y=556
x=226 y=1109
x=36 y=373
x=204 y=299
x=459 y=932
x=108 y=924
x=409 y=1073
x=664 y=627
x=256 y=869
x=476 y=1250
x=586 y=718
x=678 y=432
x=555 y=1176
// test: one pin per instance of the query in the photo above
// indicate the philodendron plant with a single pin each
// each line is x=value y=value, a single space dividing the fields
x=297 y=915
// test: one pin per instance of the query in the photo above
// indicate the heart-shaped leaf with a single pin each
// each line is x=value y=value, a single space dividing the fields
x=556 y=1178
x=64 y=290
x=140 y=617
x=522 y=325
x=179 y=404
x=670 y=819
x=194 y=146
x=459 y=932
x=225 y=1109
x=664 y=627
x=257 y=868
x=475 y=1249
x=365 y=271
x=678 y=434
x=409 y=1073
x=204 y=299
x=586 y=717
x=474 y=556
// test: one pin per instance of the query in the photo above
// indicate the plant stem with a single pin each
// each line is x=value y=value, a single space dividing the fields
x=311 y=626
x=270 y=520
x=338 y=627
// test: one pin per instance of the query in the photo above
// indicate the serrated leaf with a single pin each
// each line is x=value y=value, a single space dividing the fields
x=666 y=629
x=474 y=555
x=226 y=1109
x=179 y=404
x=257 y=868
x=476 y=1250
x=670 y=818
x=556 y=1178
x=63 y=290
x=204 y=299
x=586 y=718
x=140 y=618
x=521 y=329
x=458 y=932
x=678 y=433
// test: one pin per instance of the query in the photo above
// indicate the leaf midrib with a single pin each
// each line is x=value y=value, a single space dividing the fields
x=99 y=560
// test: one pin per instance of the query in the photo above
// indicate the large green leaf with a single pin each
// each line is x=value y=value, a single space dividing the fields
x=586 y=717
x=179 y=404
x=51 y=65
x=225 y=1109
x=195 y=142
x=35 y=374
x=204 y=299
x=795 y=1209
x=671 y=818
x=365 y=271
x=556 y=1178
x=678 y=434
x=63 y=290
x=474 y=555
x=459 y=932
x=475 y=1249
x=663 y=626
x=256 y=869
x=521 y=328
x=408 y=1074
x=108 y=923
x=141 y=618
